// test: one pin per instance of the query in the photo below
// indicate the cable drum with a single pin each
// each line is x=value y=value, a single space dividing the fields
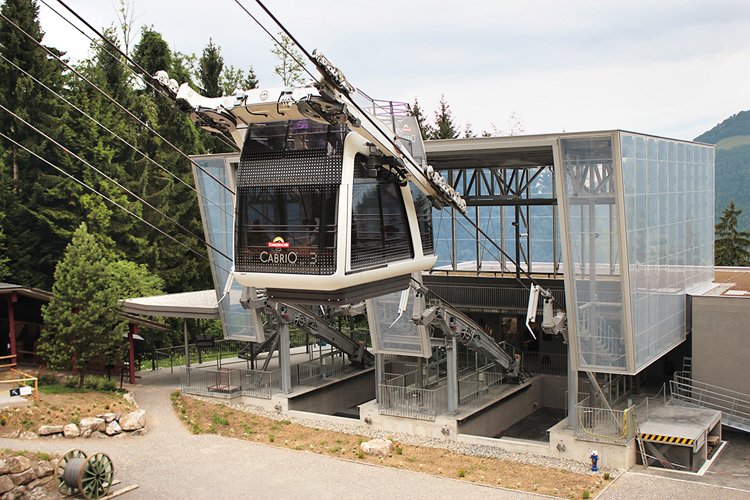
x=72 y=471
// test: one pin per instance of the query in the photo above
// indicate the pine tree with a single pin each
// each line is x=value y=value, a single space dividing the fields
x=209 y=70
x=445 y=128
x=424 y=127
x=732 y=247
x=291 y=65
x=251 y=81
x=82 y=323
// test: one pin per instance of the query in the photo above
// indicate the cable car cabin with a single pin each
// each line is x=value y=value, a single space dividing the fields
x=322 y=217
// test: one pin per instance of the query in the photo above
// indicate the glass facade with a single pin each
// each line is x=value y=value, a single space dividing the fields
x=217 y=211
x=639 y=218
x=669 y=215
x=594 y=272
x=392 y=331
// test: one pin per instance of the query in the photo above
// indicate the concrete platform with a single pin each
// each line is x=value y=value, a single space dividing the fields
x=677 y=425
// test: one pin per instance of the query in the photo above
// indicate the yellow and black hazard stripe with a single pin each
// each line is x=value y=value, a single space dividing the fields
x=657 y=438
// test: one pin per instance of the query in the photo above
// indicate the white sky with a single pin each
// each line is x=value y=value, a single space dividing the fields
x=667 y=67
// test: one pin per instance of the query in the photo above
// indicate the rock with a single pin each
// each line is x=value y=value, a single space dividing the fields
x=38 y=493
x=23 y=477
x=48 y=430
x=129 y=398
x=138 y=432
x=11 y=434
x=109 y=417
x=98 y=435
x=113 y=428
x=381 y=447
x=92 y=424
x=18 y=464
x=86 y=433
x=4 y=468
x=18 y=492
x=6 y=484
x=28 y=435
x=71 y=431
x=133 y=421
x=44 y=469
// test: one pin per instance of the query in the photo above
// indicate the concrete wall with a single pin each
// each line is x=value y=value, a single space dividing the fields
x=494 y=419
x=342 y=394
x=721 y=341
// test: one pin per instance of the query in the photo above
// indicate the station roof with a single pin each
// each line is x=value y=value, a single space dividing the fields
x=201 y=304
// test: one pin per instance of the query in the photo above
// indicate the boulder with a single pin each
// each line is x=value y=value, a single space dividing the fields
x=18 y=464
x=109 y=417
x=129 y=398
x=23 y=477
x=48 y=430
x=92 y=424
x=4 y=468
x=382 y=447
x=86 y=433
x=138 y=432
x=133 y=421
x=113 y=428
x=71 y=431
x=44 y=469
x=19 y=492
x=98 y=435
x=6 y=484
x=28 y=435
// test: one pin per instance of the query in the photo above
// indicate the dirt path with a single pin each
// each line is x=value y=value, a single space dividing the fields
x=170 y=462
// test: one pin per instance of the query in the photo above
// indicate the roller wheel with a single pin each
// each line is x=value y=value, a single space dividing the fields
x=96 y=476
x=63 y=488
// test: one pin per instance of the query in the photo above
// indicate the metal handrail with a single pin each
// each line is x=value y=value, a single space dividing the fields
x=733 y=404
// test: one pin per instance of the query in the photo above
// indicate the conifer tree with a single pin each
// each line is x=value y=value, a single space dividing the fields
x=82 y=323
x=424 y=127
x=251 y=81
x=445 y=127
x=210 y=66
x=732 y=247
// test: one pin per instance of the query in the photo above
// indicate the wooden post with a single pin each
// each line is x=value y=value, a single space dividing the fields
x=132 y=330
x=12 y=323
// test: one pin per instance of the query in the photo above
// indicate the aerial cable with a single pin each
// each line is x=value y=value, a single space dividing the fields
x=114 y=134
x=114 y=181
x=136 y=68
x=93 y=190
x=123 y=108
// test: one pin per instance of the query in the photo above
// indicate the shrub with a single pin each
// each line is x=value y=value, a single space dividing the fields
x=218 y=419
x=360 y=453
x=47 y=379
x=586 y=495
x=461 y=473
x=399 y=450
x=607 y=477
x=70 y=382
x=271 y=438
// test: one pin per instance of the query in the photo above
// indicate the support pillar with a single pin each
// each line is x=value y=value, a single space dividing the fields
x=132 y=330
x=379 y=370
x=12 y=324
x=452 y=367
x=285 y=357
x=572 y=389
x=185 y=335
x=419 y=382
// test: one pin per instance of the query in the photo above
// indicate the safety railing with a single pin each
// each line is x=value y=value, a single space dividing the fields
x=410 y=402
x=320 y=371
x=734 y=406
x=602 y=425
x=479 y=387
x=539 y=363
x=229 y=383
x=13 y=377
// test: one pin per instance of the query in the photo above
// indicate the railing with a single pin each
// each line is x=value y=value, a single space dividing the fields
x=734 y=406
x=320 y=371
x=229 y=383
x=479 y=387
x=18 y=377
x=604 y=426
x=410 y=402
x=538 y=363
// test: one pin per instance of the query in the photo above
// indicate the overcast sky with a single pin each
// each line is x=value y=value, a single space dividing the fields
x=666 y=67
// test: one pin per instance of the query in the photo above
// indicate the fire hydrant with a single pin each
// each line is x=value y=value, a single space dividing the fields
x=594 y=460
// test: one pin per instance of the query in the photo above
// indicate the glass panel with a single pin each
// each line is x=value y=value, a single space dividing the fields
x=392 y=333
x=589 y=189
x=669 y=221
x=217 y=207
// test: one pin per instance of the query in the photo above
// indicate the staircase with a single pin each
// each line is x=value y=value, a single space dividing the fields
x=734 y=406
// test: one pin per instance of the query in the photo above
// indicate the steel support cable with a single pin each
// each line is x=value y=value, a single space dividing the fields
x=141 y=73
x=114 y=181
x=114 y=101
x=113 y=202
x=374 y=124
x=114 y=134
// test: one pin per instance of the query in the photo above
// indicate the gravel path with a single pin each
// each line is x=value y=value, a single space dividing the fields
x=169 y=462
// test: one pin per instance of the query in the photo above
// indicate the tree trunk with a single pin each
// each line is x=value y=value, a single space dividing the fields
x=80 y=378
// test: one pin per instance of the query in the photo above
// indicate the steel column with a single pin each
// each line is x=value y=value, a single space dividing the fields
x=185 y=335
x=12 y=324
x=285 y=356
x=452 y=368
x=132 y=331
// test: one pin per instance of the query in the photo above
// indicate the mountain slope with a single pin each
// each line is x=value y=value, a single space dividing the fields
x=732 y=139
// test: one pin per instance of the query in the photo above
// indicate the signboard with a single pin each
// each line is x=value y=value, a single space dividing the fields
x=21 y=391
x=204 y=342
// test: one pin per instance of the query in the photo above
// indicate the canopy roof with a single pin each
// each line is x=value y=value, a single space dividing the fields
x=200 y=304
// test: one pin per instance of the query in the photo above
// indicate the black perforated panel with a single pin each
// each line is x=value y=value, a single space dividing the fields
x=290 y=168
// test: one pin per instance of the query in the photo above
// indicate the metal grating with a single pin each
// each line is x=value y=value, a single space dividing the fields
x=290 y=168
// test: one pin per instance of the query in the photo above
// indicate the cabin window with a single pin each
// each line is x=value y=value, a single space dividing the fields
x=380 y=229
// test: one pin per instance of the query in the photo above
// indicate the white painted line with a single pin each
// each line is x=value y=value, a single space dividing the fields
x=688 y=481
x=709 y=462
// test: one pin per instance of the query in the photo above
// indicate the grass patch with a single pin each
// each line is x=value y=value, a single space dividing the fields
x=219 y=420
